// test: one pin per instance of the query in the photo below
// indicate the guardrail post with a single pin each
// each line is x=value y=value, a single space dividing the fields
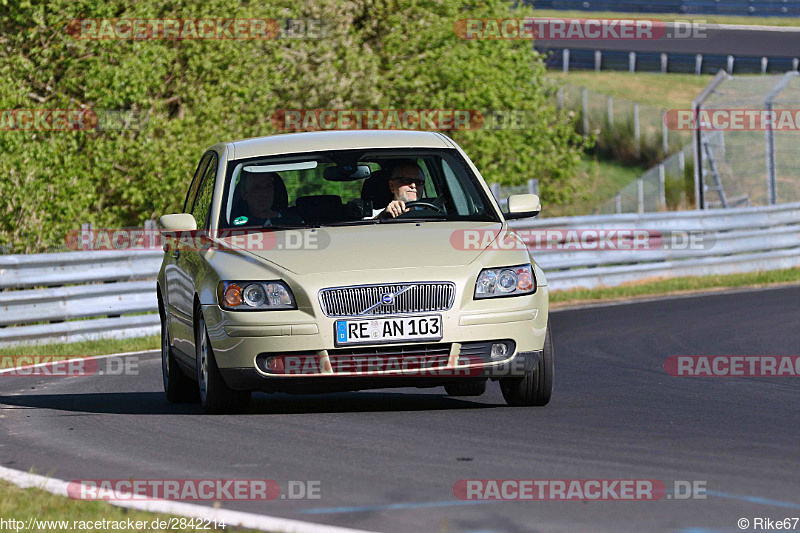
x=632 y=61
x=565 y=60
x=533 y=186
x=698 y=63
x=495 y=188
x=795 y=63
x=662 y=186
x=618 y=203
x=560 y=97
x=730 y=65
x=664 y=59
x=87 y=237
x=639 y=195
x=151 y=234
x=637 y=132
x=664 y=133
x=598 y=59
x=764 y=63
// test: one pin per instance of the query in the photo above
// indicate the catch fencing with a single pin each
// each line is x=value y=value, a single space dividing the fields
x=73 y=296
x=744 y=161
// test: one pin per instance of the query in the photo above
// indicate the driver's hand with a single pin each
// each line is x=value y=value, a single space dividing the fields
x=396 y=208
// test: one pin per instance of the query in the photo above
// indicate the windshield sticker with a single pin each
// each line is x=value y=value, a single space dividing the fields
x=239 y=221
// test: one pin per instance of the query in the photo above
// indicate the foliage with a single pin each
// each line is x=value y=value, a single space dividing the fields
x=189 y=94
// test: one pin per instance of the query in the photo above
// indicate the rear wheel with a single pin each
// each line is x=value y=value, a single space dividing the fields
x=215 y=395
x=468 y=387
x=536 y=387
x=177 y=385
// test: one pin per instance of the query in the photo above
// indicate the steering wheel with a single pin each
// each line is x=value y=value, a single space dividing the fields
x=426 y=204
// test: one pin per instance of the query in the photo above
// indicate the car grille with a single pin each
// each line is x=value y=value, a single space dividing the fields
x=389 y=358
x=357 y=301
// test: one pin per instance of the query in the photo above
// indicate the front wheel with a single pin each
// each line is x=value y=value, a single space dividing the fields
x=536 y=387
x=177 y=385
x=215 y=395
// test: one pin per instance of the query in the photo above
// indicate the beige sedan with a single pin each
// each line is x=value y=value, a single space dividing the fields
x=342 y=261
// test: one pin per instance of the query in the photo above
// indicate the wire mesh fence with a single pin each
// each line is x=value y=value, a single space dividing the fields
x=747 y=130
x=625 y=130
x=665 y=187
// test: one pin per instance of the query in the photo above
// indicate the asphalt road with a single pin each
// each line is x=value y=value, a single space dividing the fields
x=388 y=460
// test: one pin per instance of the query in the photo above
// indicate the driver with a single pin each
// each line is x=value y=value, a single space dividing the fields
x=407 y=184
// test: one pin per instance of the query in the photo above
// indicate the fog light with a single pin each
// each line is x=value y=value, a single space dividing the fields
x=499 y=349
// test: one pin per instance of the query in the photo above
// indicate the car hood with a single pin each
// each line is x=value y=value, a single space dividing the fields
x=374 y=246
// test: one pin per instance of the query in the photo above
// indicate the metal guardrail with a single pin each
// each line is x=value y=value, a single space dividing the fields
x=67 y=297
x=72 y=290
x=729 y=241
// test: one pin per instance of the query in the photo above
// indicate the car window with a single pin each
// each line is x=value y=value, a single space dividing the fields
x=198 y=174
x=205 y=193
x=304 y=190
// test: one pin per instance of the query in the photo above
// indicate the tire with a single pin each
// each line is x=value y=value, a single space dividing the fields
x=468 y=387
x=178 y=387
x=536 y=387
x=215 y=395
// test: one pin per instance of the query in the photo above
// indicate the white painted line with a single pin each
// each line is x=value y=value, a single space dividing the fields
x=231 y=518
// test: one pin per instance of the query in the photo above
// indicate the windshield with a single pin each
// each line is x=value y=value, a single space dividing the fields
x=352 y=187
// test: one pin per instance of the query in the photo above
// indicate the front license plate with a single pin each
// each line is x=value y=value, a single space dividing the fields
x=377 y=330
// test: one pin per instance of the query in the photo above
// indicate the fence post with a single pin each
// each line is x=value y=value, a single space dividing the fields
x=565 y=60
x=682 y=163
x=662 y=186
x=87 y=237
x=585 y=109
x=610 y=110
x=632 y=61
x=637 y=133
x=730 y=65
x=764 y=63
x=639 y=195
x=698 y=63
x=618 y=203
x=533 y=186
x=560 y=97
x=664 y=63
x=598 y=59
x=664 y=133
x=795 y=63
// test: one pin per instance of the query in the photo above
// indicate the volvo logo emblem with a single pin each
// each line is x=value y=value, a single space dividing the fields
x=387 y=298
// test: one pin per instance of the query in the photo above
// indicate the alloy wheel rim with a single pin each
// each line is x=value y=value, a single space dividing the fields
x=203 y=363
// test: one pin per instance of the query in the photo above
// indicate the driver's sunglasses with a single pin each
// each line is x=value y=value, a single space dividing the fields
x=405 y=181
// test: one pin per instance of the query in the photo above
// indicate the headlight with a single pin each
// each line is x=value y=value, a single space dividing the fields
x=255 y=295
x=506 y=281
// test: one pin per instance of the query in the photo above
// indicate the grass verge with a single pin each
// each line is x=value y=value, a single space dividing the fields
x=86 y=348
x=675 y=286
x=663 y=91
x=24 y=504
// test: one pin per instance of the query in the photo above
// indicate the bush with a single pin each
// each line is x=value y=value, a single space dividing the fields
x=194 y=93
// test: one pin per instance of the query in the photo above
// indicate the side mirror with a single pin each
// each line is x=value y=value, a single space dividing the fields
x=523 y=206
x=178 y=222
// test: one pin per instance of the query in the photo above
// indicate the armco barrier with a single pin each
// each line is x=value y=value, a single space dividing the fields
x=73 y=296
x=737 y=240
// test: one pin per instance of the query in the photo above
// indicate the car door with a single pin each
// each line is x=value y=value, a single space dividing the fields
x=188 y=257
